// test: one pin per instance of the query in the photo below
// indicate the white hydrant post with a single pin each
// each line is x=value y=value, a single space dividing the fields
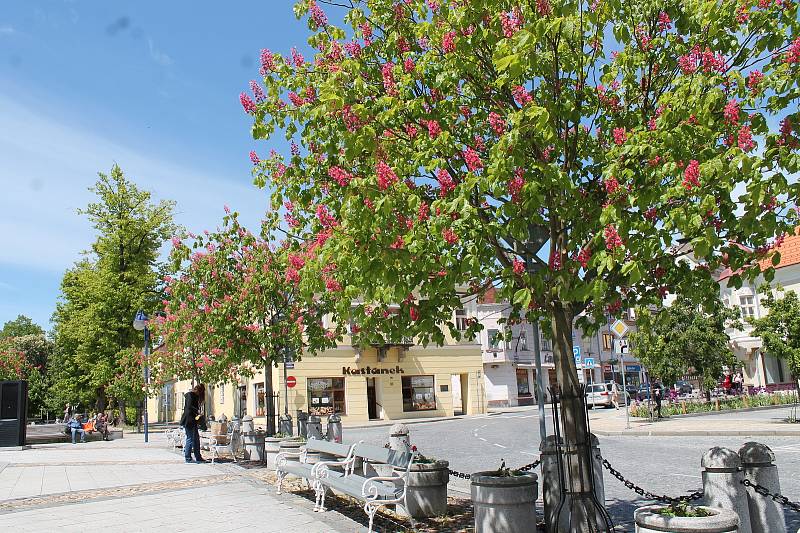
x=722 y=484
x=758 y=465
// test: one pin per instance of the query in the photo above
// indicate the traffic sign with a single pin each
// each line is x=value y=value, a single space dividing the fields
x=289 y=365
x=291 y=381
x=589 y=362
x=576 y=351
x=620 y=328
x=620 y=346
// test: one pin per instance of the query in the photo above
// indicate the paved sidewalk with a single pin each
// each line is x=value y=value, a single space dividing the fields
x=129 y=486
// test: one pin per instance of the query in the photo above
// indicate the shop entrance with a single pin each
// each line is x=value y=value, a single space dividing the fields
x=372 y=400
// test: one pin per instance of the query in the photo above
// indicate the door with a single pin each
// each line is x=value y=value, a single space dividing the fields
x=241 y=406
x=372 y=399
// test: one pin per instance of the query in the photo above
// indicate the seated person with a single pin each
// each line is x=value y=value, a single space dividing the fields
x=101 y=425
x=76 y=426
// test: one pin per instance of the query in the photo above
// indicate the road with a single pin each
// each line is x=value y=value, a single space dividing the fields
x=662 y=465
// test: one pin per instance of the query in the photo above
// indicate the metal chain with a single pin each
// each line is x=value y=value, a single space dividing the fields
x=526 y=468
x=647 y=494
x=764 y=491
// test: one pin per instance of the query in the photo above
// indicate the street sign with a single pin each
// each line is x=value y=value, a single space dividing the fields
x=291 y=381
x=289 y=365
x=588 y=362
x=577 y=360
x=620 y=328
x=576 y=351
x=620 y=346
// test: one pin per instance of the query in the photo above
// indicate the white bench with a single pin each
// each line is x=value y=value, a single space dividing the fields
x=361 y=483
x=230 y=443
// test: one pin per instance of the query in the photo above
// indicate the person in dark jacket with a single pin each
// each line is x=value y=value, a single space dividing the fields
x=191 y=413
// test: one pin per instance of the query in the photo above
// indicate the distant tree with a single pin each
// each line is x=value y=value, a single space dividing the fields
x=101 y=293
x=25 y=357
x=780 y=328
x=682 y=339
x=20 y=326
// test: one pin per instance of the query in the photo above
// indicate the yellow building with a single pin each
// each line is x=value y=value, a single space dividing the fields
x=379 y=383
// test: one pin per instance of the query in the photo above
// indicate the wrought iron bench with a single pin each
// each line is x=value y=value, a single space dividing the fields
x=374 y=490
x=231 y=443
x=295 y=463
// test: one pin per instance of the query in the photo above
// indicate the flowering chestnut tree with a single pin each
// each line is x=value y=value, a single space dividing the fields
x=557 y=150
x=235 y=306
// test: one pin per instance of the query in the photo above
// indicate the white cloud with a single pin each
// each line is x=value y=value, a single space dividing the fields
x=157 y=55
x=7 y=30
x=49 y=166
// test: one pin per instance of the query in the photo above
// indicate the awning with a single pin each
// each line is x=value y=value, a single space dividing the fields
x=747 y=343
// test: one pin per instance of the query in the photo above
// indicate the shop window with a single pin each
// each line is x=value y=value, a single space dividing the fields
x=747 y=305
x=260 y=399
x=608 y=341
x=418 y=393
x=494 y=339
x=462 y=321
x=523 y=385
x=326 y=396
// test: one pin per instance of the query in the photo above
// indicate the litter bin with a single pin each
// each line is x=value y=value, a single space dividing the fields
x=314 y=427
x=285 y=425
x=335 y=428
x=253 y=442
x=302 y=421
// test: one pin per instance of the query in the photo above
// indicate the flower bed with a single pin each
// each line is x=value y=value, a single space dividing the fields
x=680 y=407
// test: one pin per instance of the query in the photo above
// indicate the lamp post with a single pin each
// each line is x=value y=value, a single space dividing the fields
x=140 y=324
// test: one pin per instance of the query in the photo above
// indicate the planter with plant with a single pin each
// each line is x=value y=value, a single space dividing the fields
x=504 y=500
x=426 y=493
x=684 y=518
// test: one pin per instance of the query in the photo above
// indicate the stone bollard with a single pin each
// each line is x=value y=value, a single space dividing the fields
x=399 y=439
x=314 y=427
x=551 y=482
x=247 y=424
x=335 y=428
x=302 y=423
x=722 y=484
x=285 y=425
x=758 y=465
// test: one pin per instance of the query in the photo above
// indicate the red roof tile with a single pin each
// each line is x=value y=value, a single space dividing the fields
x=789 y=250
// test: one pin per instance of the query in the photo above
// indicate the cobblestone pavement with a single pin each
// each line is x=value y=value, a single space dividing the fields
x=127 y=486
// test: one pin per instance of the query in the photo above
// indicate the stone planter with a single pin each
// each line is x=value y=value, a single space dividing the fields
x=426 y=495
x=253 y=446
x=272 y=445
x=504 y=504
x=648 y=520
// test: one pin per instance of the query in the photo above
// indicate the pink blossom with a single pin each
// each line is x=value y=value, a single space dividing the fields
x=340 y=175
x=267 y=62
x=745 y=139
x=248 y=104
x=691 y=175
x=497 y=123
x=387 y=71
x=297 y=261
x=297 y=58
x=446 y=183
x=331 y=284
x=258 y=93
x=408 y=65
x=386 y=176
x=176 y=241
x=754 y=81
x=731 y=112
x=620 y=136
x=318 y=16
x=411 y=130
x=519 y=267
x=543 y=7
x=434 y=129
x=651 y=124
x=296 y=99
x=521 y=95
x=449 y=236
x=254 y=157
x=612 y=185
x=584 y=256
x=793 y=53
x=292 y=276
x=516 y=184
x=612 y=238
x=353 y=48
x=510 y=24
x=424 y=212
x=449 y=42
x=472 y=159
x=325 y=218
x=664 y=22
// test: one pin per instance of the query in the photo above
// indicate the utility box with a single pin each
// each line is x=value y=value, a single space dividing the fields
x=13 y=412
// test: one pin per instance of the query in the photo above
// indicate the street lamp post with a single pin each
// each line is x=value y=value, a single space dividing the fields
x=140 y=324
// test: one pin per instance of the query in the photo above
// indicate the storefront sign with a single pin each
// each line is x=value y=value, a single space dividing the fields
x=348 y=371
x=632 y=368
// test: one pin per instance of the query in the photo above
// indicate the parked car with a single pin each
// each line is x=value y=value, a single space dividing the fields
x=683 y=387
x=645 y=391
x=633 y=390
x=599 y=394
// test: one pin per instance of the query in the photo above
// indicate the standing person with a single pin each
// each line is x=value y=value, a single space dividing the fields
x=615 y=395
x=191 y=413
x=737 y=382
x=657 y=397
x=66 y=414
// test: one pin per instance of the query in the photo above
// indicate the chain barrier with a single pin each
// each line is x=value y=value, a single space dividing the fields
x=647 y=494
x=526 y=468
x=764 y=491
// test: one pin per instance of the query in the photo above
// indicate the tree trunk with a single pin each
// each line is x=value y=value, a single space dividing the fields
x=579 y=512
x=123 y=419
x=269 y=405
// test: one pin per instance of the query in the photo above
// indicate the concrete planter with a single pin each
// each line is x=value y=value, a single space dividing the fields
x=272 y=445
x=253 y=445
x=426 y=493
x=504 y=504
x=648 y=520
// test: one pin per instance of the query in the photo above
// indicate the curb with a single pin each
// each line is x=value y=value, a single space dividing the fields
x=698 y=433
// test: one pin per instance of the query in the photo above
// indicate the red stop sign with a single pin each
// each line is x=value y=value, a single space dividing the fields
x=291 y=381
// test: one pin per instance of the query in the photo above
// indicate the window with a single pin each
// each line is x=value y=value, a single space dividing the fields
x=747 y=305
x=522 y=344
x=260 y=400
x=608 y=341
x=418 y=393
x=494 y=339
x=523 y=385
x=462 y=322
x=544 y=343
x=326 y=396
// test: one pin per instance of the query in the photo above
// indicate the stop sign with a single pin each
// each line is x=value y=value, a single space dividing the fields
x=291 y=381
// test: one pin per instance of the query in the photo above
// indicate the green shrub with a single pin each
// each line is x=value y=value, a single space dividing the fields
x=725 y=404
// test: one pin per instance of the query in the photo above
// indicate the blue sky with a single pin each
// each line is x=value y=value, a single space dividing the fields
x=152 y=86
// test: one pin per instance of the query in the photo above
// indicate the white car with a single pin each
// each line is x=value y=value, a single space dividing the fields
x=600 y=394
